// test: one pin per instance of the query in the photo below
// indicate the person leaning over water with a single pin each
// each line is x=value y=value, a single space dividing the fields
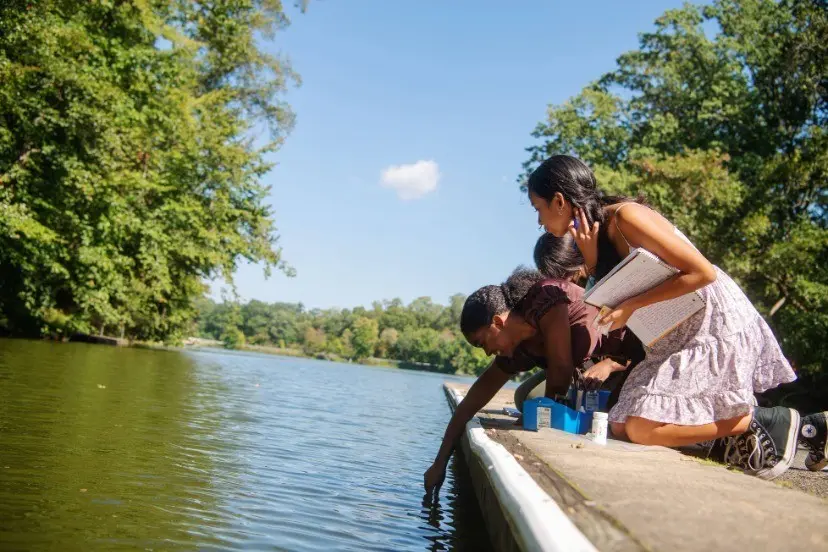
x=559 y=258
x=527 y=321
x=697 y=383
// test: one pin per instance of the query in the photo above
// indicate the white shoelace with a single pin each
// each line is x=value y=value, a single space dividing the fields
x=745 y=452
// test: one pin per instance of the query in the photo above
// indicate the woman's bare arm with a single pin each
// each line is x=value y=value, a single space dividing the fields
x=642 y=228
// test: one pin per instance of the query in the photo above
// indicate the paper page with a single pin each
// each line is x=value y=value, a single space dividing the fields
x=642 y=273
x=652 y=322
x=633 y=254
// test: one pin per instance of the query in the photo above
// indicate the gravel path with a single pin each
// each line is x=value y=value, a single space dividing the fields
x=799 y=477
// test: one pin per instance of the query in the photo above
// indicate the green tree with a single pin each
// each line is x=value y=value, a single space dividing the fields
x=396 y=316
x=426 y=312
x=256 y=321
x=365 y=337
x=449 y=317
x=438 y=344
x=233 y=338
x=421 y=345
x=341 y=346
x=719 y=118
x=128 y=171
x=284 y=328
x=386 y=346
x=314 y=341
x=466 y=359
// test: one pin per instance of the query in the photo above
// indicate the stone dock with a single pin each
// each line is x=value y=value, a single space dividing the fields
x=559 y=491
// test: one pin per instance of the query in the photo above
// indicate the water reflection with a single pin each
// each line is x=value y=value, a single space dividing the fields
x=103 y=447
x=93 y=439
x=454 y=516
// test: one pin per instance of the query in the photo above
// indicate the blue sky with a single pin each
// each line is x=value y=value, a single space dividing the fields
x=459 y=85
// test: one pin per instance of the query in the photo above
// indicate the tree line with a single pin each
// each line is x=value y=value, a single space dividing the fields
x=423 y=333
x=129 y=174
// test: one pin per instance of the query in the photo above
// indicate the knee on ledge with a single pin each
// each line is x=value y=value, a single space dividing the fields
x=618 y=431
x=641 y=431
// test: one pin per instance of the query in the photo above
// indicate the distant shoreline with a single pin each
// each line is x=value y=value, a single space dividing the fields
x=371 y=361
x=192 y=343
x=202 y=343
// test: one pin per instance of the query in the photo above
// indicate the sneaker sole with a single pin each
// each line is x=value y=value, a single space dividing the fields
x=820 y=465
x=790 y=451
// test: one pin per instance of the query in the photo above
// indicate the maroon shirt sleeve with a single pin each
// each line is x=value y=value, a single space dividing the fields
x=540 y=299
x=550 y=293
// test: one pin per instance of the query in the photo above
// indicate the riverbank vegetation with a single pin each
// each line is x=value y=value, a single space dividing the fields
x=422 y=334
x=129 y=176
x=129 y=173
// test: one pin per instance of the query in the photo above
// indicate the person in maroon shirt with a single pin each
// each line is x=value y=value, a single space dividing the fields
x=559 y=258
x=527 y=321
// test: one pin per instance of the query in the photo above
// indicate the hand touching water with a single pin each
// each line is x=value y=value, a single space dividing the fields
x=586 y=238
x=434 y=477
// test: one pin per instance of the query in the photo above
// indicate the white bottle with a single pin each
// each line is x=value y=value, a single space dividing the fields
x=599 y=427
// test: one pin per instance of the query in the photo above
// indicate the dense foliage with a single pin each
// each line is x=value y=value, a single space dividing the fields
x=423 y=332
x=128 y=168
x=134 y=135
x=719 y=119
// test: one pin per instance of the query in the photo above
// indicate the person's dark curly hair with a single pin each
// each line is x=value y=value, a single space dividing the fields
x=488 y=301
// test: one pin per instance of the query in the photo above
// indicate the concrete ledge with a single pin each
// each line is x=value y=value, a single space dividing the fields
x=630 y=497
x=535 y=522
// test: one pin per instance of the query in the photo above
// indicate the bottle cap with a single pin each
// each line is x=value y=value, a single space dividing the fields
x=600 y=415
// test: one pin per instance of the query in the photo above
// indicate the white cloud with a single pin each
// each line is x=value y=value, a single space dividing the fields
x=411 y=181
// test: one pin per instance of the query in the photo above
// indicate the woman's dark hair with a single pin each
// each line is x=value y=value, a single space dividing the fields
x=558 y=258
x=488 y=301
x=574 y=180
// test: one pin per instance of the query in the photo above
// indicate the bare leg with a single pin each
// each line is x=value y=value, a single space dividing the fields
x=648 y=432
x=618 y=430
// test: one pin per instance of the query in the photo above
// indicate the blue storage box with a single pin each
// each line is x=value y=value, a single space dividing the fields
x=585 y=419
x=589 y=402
x=543 y=412
x=603 y=400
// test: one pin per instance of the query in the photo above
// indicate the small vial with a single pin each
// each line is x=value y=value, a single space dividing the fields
x=599 y=427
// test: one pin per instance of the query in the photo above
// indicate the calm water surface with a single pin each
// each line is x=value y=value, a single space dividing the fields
x=105 y=448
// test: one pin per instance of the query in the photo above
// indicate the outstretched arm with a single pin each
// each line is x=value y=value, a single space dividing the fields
x=480 y=393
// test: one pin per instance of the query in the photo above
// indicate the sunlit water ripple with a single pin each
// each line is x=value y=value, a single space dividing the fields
x=109 y=448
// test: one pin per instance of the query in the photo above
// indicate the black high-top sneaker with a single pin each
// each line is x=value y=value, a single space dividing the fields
x=812 y=434
x=716 y=449
x=768 y=447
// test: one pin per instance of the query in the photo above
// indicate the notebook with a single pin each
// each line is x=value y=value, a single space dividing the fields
x=641 y=271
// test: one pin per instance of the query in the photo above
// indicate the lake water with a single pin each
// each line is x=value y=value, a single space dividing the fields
x=104 y=448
